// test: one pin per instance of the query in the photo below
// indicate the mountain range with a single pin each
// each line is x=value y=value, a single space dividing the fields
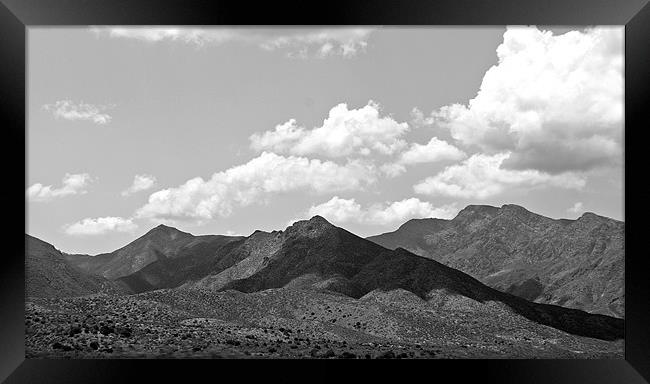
x=573 y=263
x=316 y=256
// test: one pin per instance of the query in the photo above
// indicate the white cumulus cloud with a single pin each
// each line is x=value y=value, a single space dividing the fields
x=73 y=184
x=100 y=225
x=70 y=110
x=554 y=101
x=435 y=150
x=482 y=176
x=342 y=211
x=344 y=132
x=140 y=183
x=253 y=182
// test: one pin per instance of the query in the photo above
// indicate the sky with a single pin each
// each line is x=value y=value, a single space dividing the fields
x=230 y=130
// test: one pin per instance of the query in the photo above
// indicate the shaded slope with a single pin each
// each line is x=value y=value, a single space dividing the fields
x=48 y=274
x=574 y=263
x=193 y=263
x=313 y=247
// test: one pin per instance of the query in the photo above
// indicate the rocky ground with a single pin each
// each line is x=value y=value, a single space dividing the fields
x=292 y=323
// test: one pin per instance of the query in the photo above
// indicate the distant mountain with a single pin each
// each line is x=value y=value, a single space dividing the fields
x=160 y=243
x=316 y=254
x=573 y=263
x=48 y=274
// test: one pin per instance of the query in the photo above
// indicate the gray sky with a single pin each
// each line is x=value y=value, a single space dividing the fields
x=231 y=130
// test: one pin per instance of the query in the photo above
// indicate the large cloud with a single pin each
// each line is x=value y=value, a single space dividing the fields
x=140 y=183
x=345 y=132
x=554 y=101
x=70 y=110
x=341 y=211
x=295 y=42
x=100 y=225
x=252 y=182
x=482 y=176
x=73 y=184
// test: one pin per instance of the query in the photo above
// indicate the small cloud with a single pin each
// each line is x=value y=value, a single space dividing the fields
x=418 y=119
x=344 y=42
x=434 y=151
x=100 y=226
x=73 y=184
x=576 y=208
x=297 y=43
x=194 y=36
x=69 y=110
x=140 y=183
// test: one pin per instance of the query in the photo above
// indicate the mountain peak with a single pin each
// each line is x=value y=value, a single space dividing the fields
x=166 y=231
x=473 y=211
x=319 y=220
x=163 y=227
x=315 y=226
x=513 y=206
x=590 y=216
x=515 y=209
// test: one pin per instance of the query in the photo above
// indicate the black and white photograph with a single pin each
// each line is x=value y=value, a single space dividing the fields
x=325 y=192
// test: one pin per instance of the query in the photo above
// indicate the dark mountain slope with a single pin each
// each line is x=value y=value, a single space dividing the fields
x=313 y=247
x=162 y=242
x=574 y=263
x=48 y=274
x=402 y=269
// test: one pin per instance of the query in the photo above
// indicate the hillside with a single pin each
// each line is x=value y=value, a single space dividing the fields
x=48 y=274
x=573 y=263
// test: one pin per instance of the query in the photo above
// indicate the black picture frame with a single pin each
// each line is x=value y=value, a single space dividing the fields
x=17 y=15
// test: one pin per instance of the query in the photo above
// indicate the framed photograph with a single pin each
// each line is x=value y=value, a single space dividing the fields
x=441 y=183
